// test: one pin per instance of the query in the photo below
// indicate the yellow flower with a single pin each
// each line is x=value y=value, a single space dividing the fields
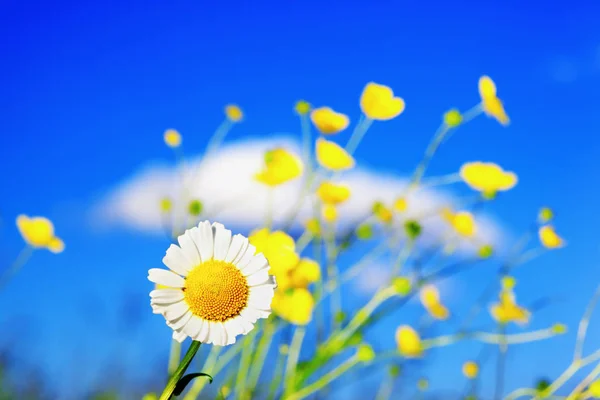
x=329 y=213
x=492 y=105
x=332 y=156
x=549 y=238
x=281 y=166
x=172 y=138
x=233 y=113
x=594 y=389
x=328 y=121
x=278 y=247
x=294 y=305
x=453 y=118
x=507 y=310
x=38 y=232
x=313 y=226
x=400 y=204
x=462 y=222
x=470 y=369
x=306 y=272
x=166 y=205
x=545 y=215
x=302 y=107
x=378 y=102
x=382 y=213
x=487 y=177
x=430 y=298
x=409 y=342
x=331 y=193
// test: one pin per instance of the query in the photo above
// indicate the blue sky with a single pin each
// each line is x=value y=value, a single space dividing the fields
x=87 y=90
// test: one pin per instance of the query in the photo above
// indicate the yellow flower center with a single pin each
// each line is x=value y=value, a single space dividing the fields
x=216 y=291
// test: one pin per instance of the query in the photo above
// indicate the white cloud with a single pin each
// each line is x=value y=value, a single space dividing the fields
x=224 y=184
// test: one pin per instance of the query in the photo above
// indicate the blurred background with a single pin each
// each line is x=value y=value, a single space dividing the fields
x=87 y=90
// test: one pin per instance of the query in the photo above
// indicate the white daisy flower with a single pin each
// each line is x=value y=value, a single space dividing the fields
x=217 y=286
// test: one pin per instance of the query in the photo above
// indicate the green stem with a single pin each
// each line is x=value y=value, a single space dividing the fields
x=293 y=357
x=218 y=137
x=501 y=363
x=244 y=366
x=270 y=207
x=358 y=134
x=199 y=384
x=402 y=257
x=185 y=363
x=429 y=153
x=324 y=380
x=278 y=374
x=261 y=354
x=332 y=273
x=19 y=262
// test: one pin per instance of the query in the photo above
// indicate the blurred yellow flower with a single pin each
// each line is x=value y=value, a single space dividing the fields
x=329 y=213
x=332 y=156
x=306 y=272
x=279 y=249
x=332 y=193
x=453 y=118
x=281 y=166
x=507 y=309
x=470 y=369
x=378 y=102
x=365 y=353
x=430 y=298
x=463 y=222
x=382 y=213
x=594 y=389
x=328 y=121
x=166 y=205
x=409 y=342
x=549 y=238
x=38 y=232
x=491 y=104
x=400 y=204
x=545 y=215
x=313 y=226
x=302 y=107
x=487 y=177
x=233 y=113
x=294 y=305
x=172 y=138
x=422 y=384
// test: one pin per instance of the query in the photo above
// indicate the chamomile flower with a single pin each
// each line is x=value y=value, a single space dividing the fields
x=218 y=286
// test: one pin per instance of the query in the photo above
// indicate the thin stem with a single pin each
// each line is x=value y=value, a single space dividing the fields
x=332 y=272
x=217 y=138
x=583 y=325
x=199 y=384
x=174 y=356
x=325 y=379
x=429 y=153
x=385 y=389
x=358 y=134
x=185 y=363
x=403 y=256
x=440 y=181
x=303 y=241
x=501 y=364
x=293 y=356
x=270 y=207
x=278 y=374
x=244 y=366
x=261 y=354
x=521 y=393
x=19 y=262
x=584 y=383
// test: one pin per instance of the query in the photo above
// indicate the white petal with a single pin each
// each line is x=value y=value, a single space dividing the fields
x=165 y=278
x=261 y=297
x=222 y=242
x=256 y=263
x=258 y=278
x=250 y=314
x=181 y=322
x=177 y=261
x=233 y=327
x=172 y=294
x=175 y=311
x=193 y=327
x=179 y=336
x=156 y=309
x=247 y=326
x=218 y=336
x=243 y=259
x=186 y=242
x=204 y=333
x=238 y=243
x=204 y=241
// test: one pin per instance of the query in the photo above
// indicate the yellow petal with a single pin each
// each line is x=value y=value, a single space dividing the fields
x=172 y=138
x=400 y=204
x=259 y=239
x=438 y=311
x=378 y=102
x=464 y=224
x=295 y=306
x=233 y=113
x=56 y=245
x=487 y=177
x=306 y=272
x=36 y=231
x=329 y=213
x=313 y=226
x=470 y=369
x=493 y=107
x=429 y=295
x=331 y=193
x=487 y=87
x=327 y=121
x=281 y=166
x=549 y=238
x=332 y=156
x=409 y=342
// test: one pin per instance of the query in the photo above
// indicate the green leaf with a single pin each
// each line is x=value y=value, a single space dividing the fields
x=186 y=379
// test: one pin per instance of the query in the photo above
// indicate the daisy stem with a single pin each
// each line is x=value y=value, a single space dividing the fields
x=199 y=384
x=324 y=380
x=245 y=360
x=185 y=363
x=174 y=356
x=293 y=356
x=19 y=262
x=261 y=354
